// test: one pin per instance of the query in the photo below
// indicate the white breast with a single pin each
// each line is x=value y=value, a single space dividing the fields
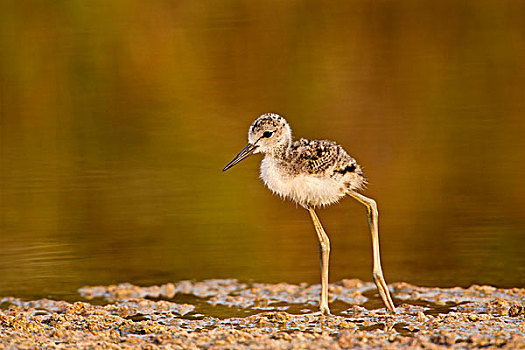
x=302 y=188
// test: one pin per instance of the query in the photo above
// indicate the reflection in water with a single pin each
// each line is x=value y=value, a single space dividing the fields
x=117 y=118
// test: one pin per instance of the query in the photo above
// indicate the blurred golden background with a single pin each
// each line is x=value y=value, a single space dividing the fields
x=117 y=117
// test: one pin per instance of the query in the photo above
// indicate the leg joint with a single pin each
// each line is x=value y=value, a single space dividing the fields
x=378 y=276
x=372 y=208
x=324 y=246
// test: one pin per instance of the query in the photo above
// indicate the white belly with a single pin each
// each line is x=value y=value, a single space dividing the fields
x=302 y=188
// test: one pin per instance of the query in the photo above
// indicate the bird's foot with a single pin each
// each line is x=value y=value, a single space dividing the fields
x=325 y=310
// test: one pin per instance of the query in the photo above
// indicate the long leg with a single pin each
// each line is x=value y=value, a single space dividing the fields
x=371 y=207
x=324 y=253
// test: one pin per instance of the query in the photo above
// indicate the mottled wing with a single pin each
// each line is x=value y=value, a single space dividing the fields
x=322 y=157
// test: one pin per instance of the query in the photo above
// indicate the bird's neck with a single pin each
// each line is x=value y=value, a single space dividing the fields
x=280 y=150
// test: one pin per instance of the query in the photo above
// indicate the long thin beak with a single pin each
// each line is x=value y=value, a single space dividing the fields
x=246 y=151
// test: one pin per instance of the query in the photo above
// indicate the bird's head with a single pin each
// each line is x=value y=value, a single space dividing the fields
x=270 y=133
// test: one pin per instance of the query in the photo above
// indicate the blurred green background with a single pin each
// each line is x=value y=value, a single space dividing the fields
x=118 y=116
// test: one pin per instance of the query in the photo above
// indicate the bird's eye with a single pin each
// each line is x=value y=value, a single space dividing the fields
x=267 y=134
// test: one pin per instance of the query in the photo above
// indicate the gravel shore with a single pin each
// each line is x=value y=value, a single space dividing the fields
x=220 y=314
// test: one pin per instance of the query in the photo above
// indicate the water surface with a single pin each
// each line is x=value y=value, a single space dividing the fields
x=117 y=118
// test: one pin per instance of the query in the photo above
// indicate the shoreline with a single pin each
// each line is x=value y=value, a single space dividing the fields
x=217 y=314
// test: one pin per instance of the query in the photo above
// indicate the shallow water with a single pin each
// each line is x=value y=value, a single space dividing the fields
x=116 y=119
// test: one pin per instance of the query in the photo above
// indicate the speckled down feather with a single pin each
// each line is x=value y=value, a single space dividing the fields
x=321 y=157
